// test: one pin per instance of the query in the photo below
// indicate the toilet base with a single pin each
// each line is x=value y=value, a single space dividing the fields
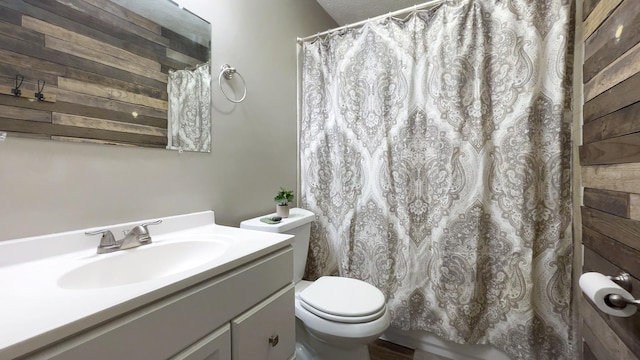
x=309 y=347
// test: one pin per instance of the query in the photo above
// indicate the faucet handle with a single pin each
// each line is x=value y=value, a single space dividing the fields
x=107 y=240
x=151 y=223
x=143 y=232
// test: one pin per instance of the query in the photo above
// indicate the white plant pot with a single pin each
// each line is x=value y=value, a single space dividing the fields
x=282 y=210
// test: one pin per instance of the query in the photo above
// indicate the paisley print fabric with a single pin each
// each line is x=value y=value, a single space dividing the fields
x=435 y=151
x=189 y=124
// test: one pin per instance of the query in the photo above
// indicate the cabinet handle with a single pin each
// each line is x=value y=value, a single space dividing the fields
x=273 y=340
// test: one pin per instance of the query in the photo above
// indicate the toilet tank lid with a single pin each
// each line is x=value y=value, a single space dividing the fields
x=297 y=217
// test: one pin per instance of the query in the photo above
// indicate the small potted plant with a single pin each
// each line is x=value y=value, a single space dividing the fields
x=283 y=198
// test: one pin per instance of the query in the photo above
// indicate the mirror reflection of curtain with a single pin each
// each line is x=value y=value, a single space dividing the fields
x=189 y=115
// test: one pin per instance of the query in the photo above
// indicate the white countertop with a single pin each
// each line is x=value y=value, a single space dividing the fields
x=35 y=311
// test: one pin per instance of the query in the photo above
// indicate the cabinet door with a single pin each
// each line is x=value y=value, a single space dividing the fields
x=267 y=331
x=215 y=346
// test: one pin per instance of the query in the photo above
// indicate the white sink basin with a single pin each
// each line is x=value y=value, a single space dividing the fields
x=143 y=263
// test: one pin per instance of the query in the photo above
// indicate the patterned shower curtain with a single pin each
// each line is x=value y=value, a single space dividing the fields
x=189 y=113
x=435 y=151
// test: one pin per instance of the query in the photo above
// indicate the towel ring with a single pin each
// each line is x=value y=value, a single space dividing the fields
x=227 y=71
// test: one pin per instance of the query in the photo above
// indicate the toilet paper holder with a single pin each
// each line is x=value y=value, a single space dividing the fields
x=616 y=301
x=623 y=280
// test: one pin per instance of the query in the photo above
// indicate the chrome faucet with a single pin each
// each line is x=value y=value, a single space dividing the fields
x=135 y=237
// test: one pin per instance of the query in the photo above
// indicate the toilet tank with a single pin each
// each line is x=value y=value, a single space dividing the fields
x=297 y=224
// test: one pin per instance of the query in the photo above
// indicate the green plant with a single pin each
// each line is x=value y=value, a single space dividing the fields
x=284 y=196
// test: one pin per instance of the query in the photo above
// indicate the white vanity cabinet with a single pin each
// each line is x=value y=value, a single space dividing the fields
x=216 y=346
x=244 y=313
x=267 y=331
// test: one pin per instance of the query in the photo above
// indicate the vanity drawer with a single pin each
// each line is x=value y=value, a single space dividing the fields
x=267 y=331
x=216 y=346
x=170 y=325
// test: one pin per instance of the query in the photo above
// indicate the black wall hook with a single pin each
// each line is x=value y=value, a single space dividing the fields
x=16 y=91
x=39 y=95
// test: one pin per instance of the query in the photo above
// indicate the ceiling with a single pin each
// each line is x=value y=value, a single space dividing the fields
x=350 y=11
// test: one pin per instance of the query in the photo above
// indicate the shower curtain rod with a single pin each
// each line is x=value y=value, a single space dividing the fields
x=427 y=4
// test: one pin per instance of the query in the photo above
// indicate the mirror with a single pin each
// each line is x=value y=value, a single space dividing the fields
x=123 y=72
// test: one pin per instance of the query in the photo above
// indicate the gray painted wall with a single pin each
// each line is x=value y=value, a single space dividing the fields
x=50 y=186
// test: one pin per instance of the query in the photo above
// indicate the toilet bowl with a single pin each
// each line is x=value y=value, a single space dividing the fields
x=336 y=317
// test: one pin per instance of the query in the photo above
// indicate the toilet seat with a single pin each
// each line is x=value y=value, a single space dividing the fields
x=343 y=300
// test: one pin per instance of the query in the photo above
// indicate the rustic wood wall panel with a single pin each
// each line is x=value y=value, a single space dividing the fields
x=599 y=12
x=621 y=69
x=105 y=70
x=626 y=329
x=612 y=202
x=610 y=160
x=623 y=149
x=618 y=123
x=617 y=34
x=588 y=354
x=587 y=8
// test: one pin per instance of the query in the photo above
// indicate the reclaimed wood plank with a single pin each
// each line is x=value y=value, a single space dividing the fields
x=619 y=96
x=105 y=142
x=621 y=69
x=86 y=76
x=619 y=177
x=83 y=110
x=623 y=256
x=16 y=59
x=87 y=42
x=9 y=72
x=102 y=58
x=618 y=150
x=599 y=350
x=13 y=112
x=619 y=33
x=587 y=8
x=181 y=44
x=594 y=262
x=634 y=207
x=587 y=353
x=80 y=23
x=12 y=134
x=95 y=123
x=99 y=14
x=110 y=93
x=67 y=60
x=91 y=141
x=20 y=33
x=596 y=17
x=79 y=17
x=612 y=202
x=604 y=342
x=126 y=14
x=627 y=329
x=103 y=103
x=28 y=90
x=621 y=122
x=10 y=16
x=182 y=58
x=625 y=231
x=79 y=132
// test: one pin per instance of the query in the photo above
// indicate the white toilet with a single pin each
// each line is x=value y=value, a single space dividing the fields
x=336 y=317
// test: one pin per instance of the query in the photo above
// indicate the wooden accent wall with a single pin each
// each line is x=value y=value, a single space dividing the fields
x=105 y=70
x=610 y=161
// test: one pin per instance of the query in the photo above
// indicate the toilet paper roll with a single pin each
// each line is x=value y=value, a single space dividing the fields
x=597 y=287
